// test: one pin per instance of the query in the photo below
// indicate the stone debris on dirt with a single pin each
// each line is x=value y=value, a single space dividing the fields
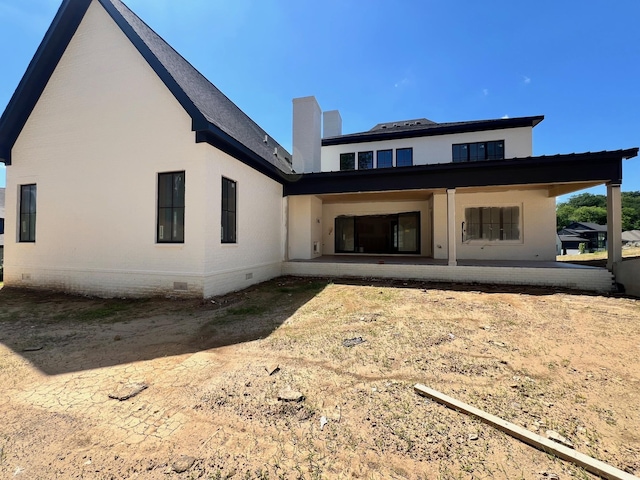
x=550 y=476
x=323 y=422
x=272 y=369
x=352 y=342
x=182 y=463
x=289 y=395
x=127 y=391
x=556 y=437
x=32 y=348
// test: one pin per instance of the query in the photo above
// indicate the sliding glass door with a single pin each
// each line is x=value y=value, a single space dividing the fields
x=378 y=234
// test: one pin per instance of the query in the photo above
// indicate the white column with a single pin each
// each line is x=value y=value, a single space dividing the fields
x=614 y=226
x=451 y=226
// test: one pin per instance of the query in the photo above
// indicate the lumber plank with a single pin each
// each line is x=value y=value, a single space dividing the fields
x=590 y=464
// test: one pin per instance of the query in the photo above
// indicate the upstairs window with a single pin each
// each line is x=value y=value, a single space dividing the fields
x=171 y=188
x=27 y=213
x=474 y=152
x=404 y=157
x=365 y=160
x=385 y=159
x=347 y=161
x=229 y=232
x=492 y=223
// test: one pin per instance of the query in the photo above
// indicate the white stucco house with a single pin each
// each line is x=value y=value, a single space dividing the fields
x=129 y=173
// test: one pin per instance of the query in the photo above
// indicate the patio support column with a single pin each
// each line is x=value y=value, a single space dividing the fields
x=451 y=226
x=614 y=226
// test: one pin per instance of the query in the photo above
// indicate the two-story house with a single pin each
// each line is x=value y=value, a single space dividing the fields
x=129 y=173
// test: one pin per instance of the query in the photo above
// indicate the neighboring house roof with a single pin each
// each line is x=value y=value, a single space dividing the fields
x=587 y=227
x=631 y=236
x=572 y=238
x=215 y=118
x=426 y=128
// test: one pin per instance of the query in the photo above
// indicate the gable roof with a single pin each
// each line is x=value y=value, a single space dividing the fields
x=587 y=227
x=215 y=118
x=631 y=236
x=426 y=128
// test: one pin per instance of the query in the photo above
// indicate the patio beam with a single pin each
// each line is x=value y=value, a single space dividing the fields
x=614 y=226
x=451 y=227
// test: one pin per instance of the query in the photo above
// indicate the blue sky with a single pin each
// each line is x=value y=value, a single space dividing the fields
x=576 y=62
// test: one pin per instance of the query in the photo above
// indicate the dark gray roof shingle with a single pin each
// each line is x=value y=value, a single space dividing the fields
x=208 y=99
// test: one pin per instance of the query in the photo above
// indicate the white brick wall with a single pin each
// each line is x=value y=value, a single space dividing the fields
x=595 y=279
x=101 y=132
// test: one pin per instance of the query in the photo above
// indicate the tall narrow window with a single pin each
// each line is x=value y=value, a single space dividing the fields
x=365 y=160
x=171 y=188
x=385 y=159
x=404 y=157
x=347 y=161
x=229 y=211
x=27 y=213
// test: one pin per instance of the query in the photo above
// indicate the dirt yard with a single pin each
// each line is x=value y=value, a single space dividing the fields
x=214 y=372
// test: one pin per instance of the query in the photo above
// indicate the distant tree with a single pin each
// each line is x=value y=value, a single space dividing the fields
x=590 y=214
x=630 y=210
x=564 y=215
x=588 y=200
x=587 y=207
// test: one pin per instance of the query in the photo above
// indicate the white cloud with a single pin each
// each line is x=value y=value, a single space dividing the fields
x=526 y=80
x=505 y=116
x=485 y=92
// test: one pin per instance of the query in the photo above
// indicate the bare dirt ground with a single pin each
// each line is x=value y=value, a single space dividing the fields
x=544 y=360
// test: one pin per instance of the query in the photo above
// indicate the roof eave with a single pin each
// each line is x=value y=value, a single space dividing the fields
x=221 y=140
x=40 y=69
x=199 y=122
x=476 y=126
x=602 y=167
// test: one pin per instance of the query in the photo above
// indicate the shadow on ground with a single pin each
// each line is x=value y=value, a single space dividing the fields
x=60 y=333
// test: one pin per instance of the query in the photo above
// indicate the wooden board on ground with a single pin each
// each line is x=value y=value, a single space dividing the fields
x=588 y=463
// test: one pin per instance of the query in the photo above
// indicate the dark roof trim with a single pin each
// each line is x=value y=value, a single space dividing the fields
x=40 y=69
x=583 y=167
x=198 y=120
x=51 y=50
x=432 y=130
x=222 y=141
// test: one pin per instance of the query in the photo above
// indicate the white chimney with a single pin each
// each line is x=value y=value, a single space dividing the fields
x=307 y=120
x=332 y=124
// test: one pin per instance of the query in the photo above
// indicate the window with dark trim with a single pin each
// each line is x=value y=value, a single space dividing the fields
x=384 y=159
x=28 y=213
x=404 y=157
x=229 y=211
x=347 y=161
x=365 y=160
x=171 y=188
x=474 y=152
x=492 y=223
